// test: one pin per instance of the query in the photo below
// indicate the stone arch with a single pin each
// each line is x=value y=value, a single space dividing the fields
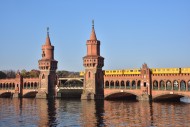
x=175 y=85
x=155 y=85
x=107 y=85
x=162 y=85
x=182 y=85
x=31 y=94
x=127 y=84
x=121 y=95
x=6 y=95
x=117 y=84
x=168 y=85
x=112 y=84
x=122 y=84
x=167 y=96
x=1 y=85
x=133 y=84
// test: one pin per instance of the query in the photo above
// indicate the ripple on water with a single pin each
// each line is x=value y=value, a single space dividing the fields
x=42 y=112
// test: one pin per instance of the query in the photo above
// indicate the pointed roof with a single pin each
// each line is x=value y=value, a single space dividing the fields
x=93 y=34
x=48 y=42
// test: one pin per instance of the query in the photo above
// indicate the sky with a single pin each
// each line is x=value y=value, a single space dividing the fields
x=132 y=32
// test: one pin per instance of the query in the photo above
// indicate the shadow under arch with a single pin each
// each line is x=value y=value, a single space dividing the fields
x=31 y=94
x=121 y=96
x=168 y=97
x=6 y=95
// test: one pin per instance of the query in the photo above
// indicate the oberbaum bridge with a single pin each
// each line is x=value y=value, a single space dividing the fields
x=142 y=84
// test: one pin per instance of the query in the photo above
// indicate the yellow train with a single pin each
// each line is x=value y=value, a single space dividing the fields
x=138 y=71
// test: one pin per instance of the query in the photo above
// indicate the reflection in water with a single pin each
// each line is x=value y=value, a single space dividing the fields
x=42 y=112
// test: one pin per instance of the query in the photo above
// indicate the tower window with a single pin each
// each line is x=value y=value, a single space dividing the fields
x=43 y=76
x=88 y=74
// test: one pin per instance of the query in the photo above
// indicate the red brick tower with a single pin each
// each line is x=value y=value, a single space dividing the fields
x=93 y=63
x=47 y=66
x=146 y=83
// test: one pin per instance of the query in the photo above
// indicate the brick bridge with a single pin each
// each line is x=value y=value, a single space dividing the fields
x=143 y=84
x=19 y=87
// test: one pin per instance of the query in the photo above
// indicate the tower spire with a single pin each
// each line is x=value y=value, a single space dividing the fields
x=48 y=42
x=93 y=34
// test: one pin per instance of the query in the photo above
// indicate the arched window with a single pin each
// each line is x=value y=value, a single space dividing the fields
x=107 y=84
x=162 y=85
x=112 y=84
x=117 y=84
x=182 y=85
x=35 y=85
x=133 y=84
x=128 y=85
x=43 y=76
x=89 y=74
x=1 y=86
x=175 y=85
x=25 y=85
x=168 y=85
x=139 y=84
x=32 y=85
x=155 y=85
x=28 y=86
x=188 y=85
x=122 y=85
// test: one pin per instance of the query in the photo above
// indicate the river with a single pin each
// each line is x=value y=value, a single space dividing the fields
x=59 y=113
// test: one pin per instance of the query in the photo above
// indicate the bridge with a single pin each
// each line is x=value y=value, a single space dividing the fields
x=118 y=84
x=69 y=87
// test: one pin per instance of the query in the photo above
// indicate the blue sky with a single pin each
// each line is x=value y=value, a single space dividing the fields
x=131 y=32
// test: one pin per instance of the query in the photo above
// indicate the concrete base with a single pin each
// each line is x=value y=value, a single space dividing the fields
x=92 y=97
x=144 y=97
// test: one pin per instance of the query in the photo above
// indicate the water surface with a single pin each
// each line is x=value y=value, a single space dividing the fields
x=41 y=112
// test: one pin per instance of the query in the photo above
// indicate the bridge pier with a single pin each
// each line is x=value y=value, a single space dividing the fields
x=16 y=95
x=144 y=97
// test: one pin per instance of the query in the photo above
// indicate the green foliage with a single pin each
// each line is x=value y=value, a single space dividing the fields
x=30 y=74
x=9 y=73
x=67 y=74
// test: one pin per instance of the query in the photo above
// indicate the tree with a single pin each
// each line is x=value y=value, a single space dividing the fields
x=2 y=75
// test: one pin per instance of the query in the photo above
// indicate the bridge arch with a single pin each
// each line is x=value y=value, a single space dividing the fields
x=6 y=95
x=30 y=94
x=168 y=97
x=121 y=95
